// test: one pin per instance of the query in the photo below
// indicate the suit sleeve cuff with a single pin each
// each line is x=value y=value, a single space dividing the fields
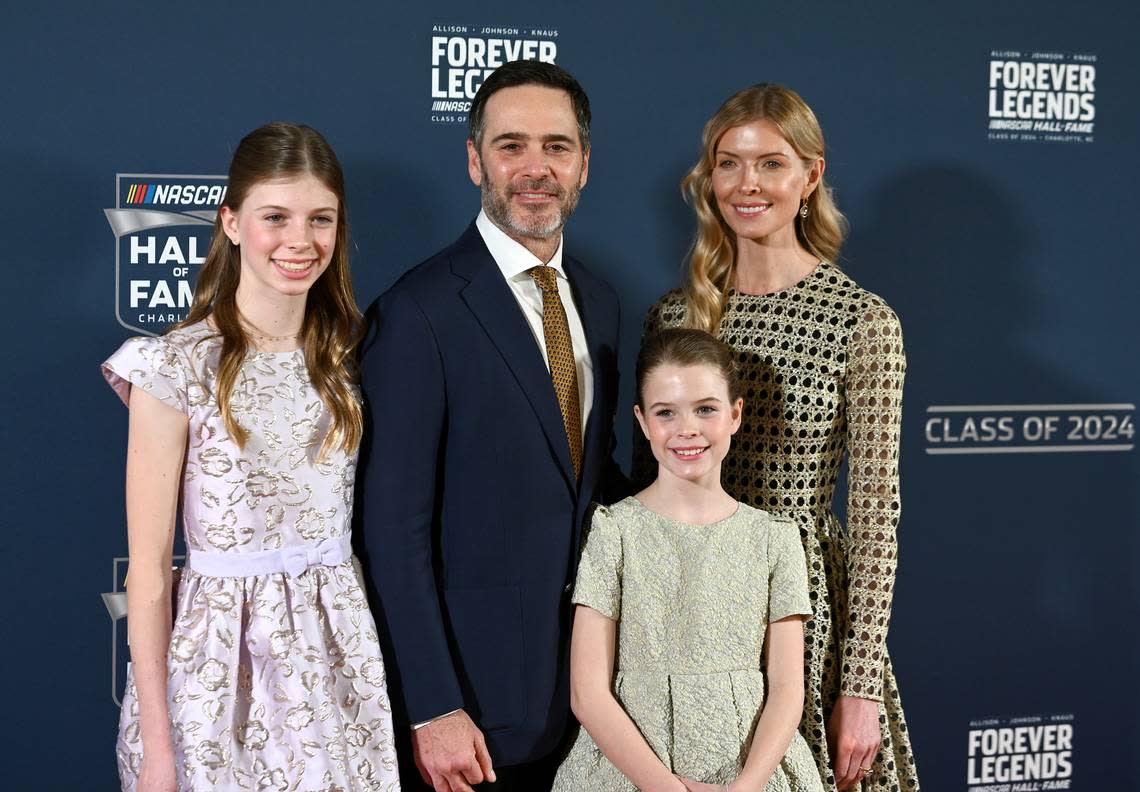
x=421 y=724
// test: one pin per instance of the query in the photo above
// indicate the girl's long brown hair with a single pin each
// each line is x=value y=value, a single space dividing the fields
x=330 y=330
x=712 y=261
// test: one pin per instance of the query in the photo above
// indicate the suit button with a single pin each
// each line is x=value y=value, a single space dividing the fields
x=567 y=588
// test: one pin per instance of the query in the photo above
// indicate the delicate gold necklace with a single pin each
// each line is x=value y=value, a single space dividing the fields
x=260 y=337
x=274 y=338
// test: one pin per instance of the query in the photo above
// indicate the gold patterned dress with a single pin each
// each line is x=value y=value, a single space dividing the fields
x=693 y=603
x=822 y=365
x=275 y=679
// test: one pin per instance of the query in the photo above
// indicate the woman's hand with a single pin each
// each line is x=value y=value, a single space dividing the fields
x=700 y=786
x=853 y=738
x=157 y=773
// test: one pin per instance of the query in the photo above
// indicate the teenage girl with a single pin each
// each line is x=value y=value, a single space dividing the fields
x=246 y=417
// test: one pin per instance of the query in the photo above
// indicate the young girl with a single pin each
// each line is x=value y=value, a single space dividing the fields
x=246 y=416
x=687 y=655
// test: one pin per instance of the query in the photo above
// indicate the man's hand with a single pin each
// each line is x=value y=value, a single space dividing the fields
x=853 y=737
x=451 y=754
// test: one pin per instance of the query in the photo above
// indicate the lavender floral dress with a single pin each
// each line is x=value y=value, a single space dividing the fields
x=275 y=680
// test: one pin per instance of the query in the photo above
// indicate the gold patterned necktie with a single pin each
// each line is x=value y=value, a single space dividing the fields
x=560 y=353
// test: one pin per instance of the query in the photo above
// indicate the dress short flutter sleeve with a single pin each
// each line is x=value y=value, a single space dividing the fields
x=787 y=578
x=599 y=571
x=153 y=364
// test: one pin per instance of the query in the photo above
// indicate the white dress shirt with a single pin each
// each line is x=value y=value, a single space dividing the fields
x=514 y=260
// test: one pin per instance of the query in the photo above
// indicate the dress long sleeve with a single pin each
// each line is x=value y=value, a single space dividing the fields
x=875 y=370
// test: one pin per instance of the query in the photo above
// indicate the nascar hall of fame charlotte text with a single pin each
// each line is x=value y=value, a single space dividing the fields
x=1042 y=96
x=1031 y=753
x=462 y=56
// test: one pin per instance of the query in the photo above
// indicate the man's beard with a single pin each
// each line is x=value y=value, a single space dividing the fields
x=497 y=205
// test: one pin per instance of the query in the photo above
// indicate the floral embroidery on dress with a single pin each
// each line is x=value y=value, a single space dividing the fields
x=275 y=682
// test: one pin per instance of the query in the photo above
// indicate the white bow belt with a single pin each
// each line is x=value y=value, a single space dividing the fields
x=290 y=560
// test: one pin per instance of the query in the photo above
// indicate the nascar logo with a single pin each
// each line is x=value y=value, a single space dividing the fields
x=178 y=194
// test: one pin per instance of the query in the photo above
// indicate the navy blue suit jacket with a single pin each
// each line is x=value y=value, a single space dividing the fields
x=470 y=512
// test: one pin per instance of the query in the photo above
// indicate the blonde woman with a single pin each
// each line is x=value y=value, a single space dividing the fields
x=246 y=415
x=822 y=363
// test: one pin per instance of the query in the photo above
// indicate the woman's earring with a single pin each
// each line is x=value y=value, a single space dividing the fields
x=804 y=208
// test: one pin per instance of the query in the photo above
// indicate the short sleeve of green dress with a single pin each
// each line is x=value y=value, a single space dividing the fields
x=599 y=570
x=787 y=577
x=693 y=603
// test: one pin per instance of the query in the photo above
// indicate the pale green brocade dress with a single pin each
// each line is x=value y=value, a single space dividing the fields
x=692 y=604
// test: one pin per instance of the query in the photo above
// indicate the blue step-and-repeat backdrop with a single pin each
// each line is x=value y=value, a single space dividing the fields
x=985 y=153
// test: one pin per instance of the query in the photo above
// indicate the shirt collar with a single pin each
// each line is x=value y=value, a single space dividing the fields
x=513 y=259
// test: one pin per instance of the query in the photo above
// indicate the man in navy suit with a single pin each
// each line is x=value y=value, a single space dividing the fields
x=491 y=384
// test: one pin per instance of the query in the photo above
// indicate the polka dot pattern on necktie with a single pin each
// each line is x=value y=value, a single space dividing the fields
x=560 y=353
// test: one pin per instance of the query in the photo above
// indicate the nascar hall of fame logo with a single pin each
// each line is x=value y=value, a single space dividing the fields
x=162 y=225
x=1024 y=754
x=1028 y=428
x=463 y=55
x=1046 y=96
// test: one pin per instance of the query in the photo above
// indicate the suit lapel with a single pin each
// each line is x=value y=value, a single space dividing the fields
x=589 y=303
x=497 y=311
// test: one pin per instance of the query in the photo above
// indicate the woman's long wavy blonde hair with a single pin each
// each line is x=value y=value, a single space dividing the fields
x=712 y=260
x=332 y=323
